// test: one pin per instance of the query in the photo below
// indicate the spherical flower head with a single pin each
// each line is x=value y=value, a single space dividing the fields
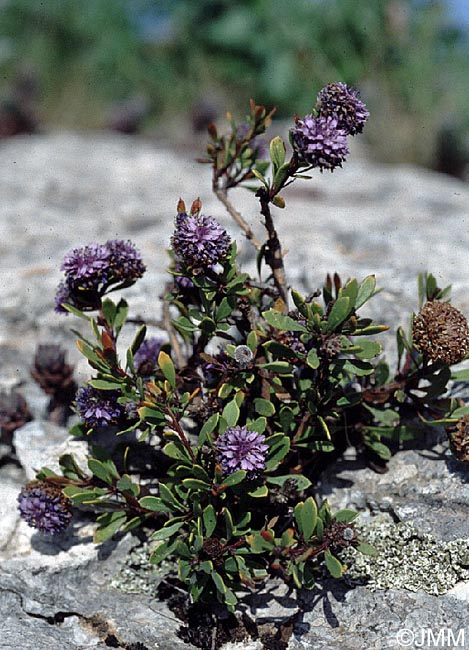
x=146 y=357
x=441 y=332
x=199 y=241
x=93 y=270
x=86 y=266
x=319 y=142
x=98 y=408
x=125 y=261
x=343 y=102
x=45 y=507
x=238 y=448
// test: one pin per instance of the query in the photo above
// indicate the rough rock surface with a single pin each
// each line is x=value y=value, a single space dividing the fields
x=63 y=190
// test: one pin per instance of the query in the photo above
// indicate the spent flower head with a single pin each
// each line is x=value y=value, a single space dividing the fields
x=45 y=507
x=238 y=448
x=319 y=142
x=98 y=408
x=441 y=332
x=343 y=102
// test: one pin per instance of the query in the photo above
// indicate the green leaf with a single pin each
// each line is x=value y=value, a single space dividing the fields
x=121 y=315
x=155 y=504
x=231 y=413
x=281 y=175
x=350 y=291
x=138 y=340
x=176 y=450
x=167 y=368
x=366 y=549
x=306 y=515
x=277 y=153
x=225 y=308
x=210 y=520
x=251 y=341
x=278 y=367
x=167 y=530
x=105 y=384
x=312 y=359
x=358 y=367
x=100 y=470
x=225 y=390
x=346 y=515
x=339 y=312
x=234 y=478
x=279 y=447
x=365 y=291
x=208 y=428
x=163 y=551
x=333 y=565
x=281 y=322
x=264 y=407
x=196 y=484
x=369 y=350
x=218 y=581
x=228 y=523
x=82 y=495
x=109 y=311
x=70 y=468
x=110 y=523
x=460 y=375
x=126 y=485
x=259 y=492
x=301 y=482
x=259 y=424
x=76 y=312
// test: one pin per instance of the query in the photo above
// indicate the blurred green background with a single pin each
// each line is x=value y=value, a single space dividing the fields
x=148 y=66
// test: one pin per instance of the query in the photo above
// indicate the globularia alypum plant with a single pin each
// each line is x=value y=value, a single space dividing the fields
x=234 y=412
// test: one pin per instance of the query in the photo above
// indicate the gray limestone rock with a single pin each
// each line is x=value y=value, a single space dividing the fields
x=64 y=190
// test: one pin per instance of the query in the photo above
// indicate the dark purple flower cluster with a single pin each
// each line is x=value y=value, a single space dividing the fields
x=45 y=507
x=146 y=357
x=93 y=270
x=238 y=448
x=98 y=408
x=343 y=102
x=320 y=139
x=319 y=142
x=199 y=241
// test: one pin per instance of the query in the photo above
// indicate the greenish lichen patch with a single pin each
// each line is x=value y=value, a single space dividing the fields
x=137 y=575
x=407 y=559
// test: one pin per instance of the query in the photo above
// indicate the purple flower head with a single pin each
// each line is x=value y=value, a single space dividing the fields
x=238 y=448
x=86 y=267
x=146 y=357
x=199 y=241
x=319 y=142
x=93 y=270
x=98 y=408
x=45 y=507
x=343 y=102
x=125 y=261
